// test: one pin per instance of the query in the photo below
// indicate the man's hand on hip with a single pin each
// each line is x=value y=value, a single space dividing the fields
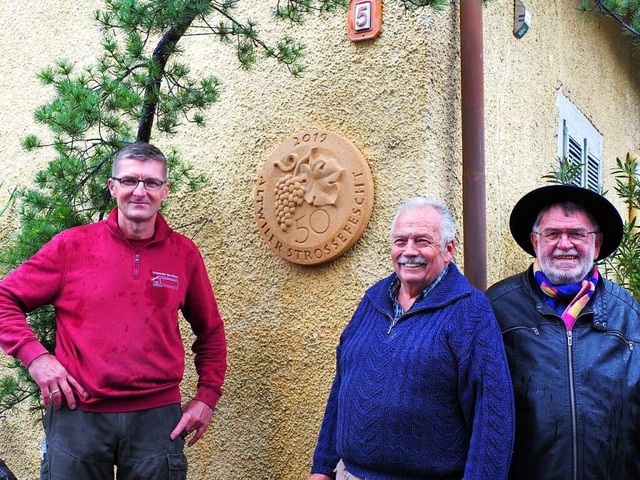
x=54 y=381
x=196 y=416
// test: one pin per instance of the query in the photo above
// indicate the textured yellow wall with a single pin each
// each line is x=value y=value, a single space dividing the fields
x=397 y=98
x=591 y=63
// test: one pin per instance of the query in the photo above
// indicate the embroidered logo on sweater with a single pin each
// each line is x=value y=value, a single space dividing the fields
x=164 y=280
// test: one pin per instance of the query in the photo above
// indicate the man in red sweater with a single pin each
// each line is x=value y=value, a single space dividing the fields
x=112 y=388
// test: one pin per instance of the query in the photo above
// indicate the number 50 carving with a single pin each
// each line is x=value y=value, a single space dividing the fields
x=364 y=19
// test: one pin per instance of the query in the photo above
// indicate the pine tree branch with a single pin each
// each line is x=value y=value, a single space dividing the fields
x=96 y=112
x=606 y=10
x=162 y=52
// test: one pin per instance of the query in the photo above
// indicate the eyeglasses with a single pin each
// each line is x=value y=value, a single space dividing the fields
x=131 y=183
x=551 y=236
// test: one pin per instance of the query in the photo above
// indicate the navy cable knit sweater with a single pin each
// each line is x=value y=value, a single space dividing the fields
x=431 y=398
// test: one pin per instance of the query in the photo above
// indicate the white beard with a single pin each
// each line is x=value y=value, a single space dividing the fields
x=560 y=273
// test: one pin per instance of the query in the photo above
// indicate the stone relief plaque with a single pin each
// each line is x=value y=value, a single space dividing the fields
x=314 y=197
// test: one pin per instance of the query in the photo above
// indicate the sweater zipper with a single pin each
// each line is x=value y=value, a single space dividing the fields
x=395 y=321
x=136 y=265
x=136 y=259
x=574 y=422
x=393 y=324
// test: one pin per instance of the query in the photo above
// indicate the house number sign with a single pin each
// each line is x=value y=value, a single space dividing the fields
x=314 y=197
x=364 y=19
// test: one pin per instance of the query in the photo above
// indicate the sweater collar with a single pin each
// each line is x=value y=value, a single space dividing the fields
x=394 y=289
x=449 y=289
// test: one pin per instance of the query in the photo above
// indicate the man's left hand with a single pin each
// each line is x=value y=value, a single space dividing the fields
x=196 y=416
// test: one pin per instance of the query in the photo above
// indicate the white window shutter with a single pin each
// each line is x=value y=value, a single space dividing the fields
x=580 y=143
x=593 y=170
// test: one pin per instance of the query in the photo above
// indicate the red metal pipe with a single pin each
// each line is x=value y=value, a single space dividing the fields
x=474 y=213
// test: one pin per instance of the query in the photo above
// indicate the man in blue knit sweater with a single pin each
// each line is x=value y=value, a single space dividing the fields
x=422 y=388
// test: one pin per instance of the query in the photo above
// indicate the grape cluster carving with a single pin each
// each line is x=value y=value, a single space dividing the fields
x=313 y=178
x=290 y=191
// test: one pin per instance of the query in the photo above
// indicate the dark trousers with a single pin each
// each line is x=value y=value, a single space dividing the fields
x=87 y=445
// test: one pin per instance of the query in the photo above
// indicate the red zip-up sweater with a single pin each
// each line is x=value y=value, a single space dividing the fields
x=117 y=317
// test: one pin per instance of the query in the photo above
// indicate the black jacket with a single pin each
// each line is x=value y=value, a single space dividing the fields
x=577 y=394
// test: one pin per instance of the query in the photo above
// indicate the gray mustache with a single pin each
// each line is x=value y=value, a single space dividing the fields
x=419 y=260
x=573 y=251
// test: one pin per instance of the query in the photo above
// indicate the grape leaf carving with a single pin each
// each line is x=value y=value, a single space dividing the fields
x=320 y=176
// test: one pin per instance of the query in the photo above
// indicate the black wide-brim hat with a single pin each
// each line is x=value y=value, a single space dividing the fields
x=524 y=215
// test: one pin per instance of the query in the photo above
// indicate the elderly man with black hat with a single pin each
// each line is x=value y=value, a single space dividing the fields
x=569 y=335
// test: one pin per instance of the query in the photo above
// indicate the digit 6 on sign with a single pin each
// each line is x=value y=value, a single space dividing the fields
x=362 y=16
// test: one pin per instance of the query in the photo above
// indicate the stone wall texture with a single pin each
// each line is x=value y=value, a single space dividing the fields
x=397 y=98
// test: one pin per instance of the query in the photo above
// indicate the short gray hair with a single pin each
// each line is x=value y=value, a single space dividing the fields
x=142 y=152
x=448 y=232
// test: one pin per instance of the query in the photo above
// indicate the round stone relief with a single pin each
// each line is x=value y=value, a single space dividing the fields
x=314 y=197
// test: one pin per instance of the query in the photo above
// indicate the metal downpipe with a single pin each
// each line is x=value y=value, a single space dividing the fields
x=474 y=213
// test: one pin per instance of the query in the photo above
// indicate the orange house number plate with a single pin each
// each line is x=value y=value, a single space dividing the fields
x=364 y=19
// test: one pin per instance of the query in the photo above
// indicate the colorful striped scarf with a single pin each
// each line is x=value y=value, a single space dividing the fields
x=580 y=292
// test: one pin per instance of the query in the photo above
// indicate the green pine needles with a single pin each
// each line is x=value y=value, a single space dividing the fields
x=625 y=12
x=136 y=88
